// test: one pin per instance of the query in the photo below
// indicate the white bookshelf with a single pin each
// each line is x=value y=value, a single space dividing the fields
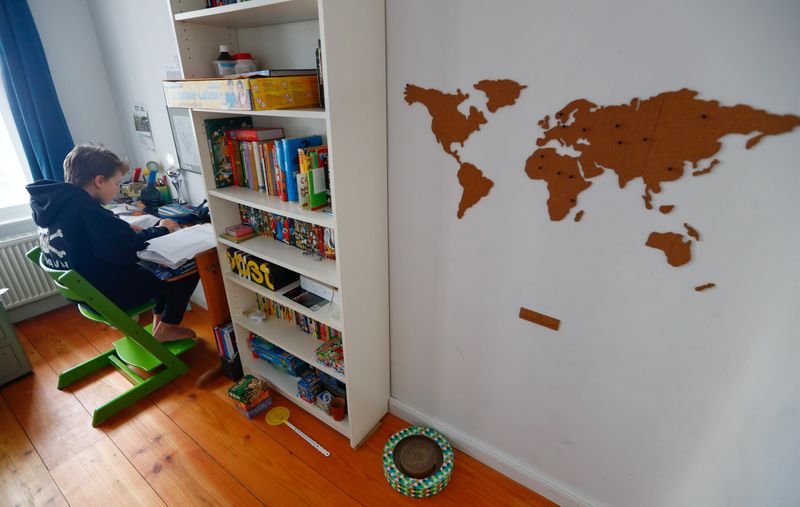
x=283 y=34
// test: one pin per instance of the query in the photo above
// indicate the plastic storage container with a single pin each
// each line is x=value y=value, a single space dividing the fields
x=244 y=63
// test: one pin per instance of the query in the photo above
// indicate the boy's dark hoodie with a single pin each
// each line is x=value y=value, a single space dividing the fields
x=76 y=232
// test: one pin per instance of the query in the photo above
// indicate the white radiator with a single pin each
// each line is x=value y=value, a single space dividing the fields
x=27 y=282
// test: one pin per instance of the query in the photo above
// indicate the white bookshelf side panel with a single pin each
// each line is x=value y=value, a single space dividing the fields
x=353 y=38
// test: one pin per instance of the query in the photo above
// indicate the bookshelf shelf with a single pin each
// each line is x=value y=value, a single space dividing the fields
x=252 y=13
x=290 y=338
x=289 y=257
x=323 y=315
x=287 y=386
x=273 y=204
x=310 y=113
x=284 y=34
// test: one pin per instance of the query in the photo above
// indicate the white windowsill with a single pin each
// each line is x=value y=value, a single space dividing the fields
x=10 y=229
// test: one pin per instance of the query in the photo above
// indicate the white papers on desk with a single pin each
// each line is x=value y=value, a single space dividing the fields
x=178 y=247
x=121 y=208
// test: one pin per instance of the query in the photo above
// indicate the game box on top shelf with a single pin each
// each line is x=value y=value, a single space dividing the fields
x=244 y=94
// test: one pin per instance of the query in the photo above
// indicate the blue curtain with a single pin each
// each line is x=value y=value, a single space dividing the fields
x=31 y=94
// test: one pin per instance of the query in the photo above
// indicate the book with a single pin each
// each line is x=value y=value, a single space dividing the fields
x=306 y=298
x=239 y=230
x=275 y=73
x=318 y=177
x=302 y=189
x=238 y=239
x=289 y=163
x=265 y=148
x=219 y=148
x=278 y=155
x=256 y=134
x=253 y=412
x=319 y=74
x=247 y=389
x=165 y=273
x=262 y=183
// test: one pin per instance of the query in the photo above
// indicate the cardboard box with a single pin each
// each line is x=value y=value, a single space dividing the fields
x=244 y=94
x=225 y=94
x=284 y=92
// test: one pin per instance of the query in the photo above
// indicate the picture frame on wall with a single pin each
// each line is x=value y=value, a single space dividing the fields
x=185 y=141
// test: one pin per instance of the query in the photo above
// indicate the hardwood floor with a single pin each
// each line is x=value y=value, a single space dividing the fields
x=184 y=445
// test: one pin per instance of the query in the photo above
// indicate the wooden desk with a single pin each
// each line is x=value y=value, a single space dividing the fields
x=211 y=276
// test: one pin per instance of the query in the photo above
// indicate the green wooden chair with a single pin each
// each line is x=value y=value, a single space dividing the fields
x=137 y=347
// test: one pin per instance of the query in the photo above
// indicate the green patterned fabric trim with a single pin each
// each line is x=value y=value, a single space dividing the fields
x=418 y=488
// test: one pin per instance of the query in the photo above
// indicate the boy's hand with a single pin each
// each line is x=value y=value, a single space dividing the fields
x=136 y=228
x=171 y=225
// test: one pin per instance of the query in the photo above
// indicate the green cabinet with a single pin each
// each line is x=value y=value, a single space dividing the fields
x=13 y=360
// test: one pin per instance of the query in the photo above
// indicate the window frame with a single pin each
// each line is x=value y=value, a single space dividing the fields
x=15 y=219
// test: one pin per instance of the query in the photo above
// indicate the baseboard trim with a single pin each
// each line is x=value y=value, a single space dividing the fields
x=490 y=456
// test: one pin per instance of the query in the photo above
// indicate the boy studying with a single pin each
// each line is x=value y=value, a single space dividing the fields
x=77 y=232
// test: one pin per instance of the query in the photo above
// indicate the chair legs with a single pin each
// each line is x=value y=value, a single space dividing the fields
x=141 y=387
x=84 y=369
x=133 y=395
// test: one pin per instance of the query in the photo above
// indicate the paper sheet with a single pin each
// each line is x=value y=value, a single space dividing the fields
x=178 y=247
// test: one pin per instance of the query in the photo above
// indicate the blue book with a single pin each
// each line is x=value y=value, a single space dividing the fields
x=279 y=162
x=289 y=163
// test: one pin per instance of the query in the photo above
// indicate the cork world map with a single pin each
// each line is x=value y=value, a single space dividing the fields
x=674 y=135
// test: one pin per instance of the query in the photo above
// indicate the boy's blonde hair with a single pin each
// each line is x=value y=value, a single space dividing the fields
x=86 y=161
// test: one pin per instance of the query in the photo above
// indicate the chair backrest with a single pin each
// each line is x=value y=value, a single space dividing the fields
x=64 y=280
x=76 y=288
x=73 y=286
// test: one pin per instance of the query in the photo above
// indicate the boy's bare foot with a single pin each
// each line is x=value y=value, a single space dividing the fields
x=170 y=332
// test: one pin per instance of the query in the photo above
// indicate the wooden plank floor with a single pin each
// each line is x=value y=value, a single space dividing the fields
x=184 y=445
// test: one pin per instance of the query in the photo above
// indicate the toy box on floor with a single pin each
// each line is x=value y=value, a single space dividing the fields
x=250 y=396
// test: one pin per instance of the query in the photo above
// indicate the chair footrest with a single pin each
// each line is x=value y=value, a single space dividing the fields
x=136 y=355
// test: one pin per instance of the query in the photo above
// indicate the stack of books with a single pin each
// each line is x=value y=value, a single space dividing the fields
x=226 y=341
x=250 y=396
x=238 y=233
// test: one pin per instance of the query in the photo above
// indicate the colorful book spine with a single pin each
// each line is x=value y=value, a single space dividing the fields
x=256 y=147
x=278 y=154
x=290 y=164
x=256 y=134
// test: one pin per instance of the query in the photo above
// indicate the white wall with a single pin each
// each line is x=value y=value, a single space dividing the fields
x=651 y=393
x=138 y=45
x=104 y=58
x=79 y=75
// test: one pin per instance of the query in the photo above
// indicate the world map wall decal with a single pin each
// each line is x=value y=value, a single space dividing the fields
x=649 y=141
